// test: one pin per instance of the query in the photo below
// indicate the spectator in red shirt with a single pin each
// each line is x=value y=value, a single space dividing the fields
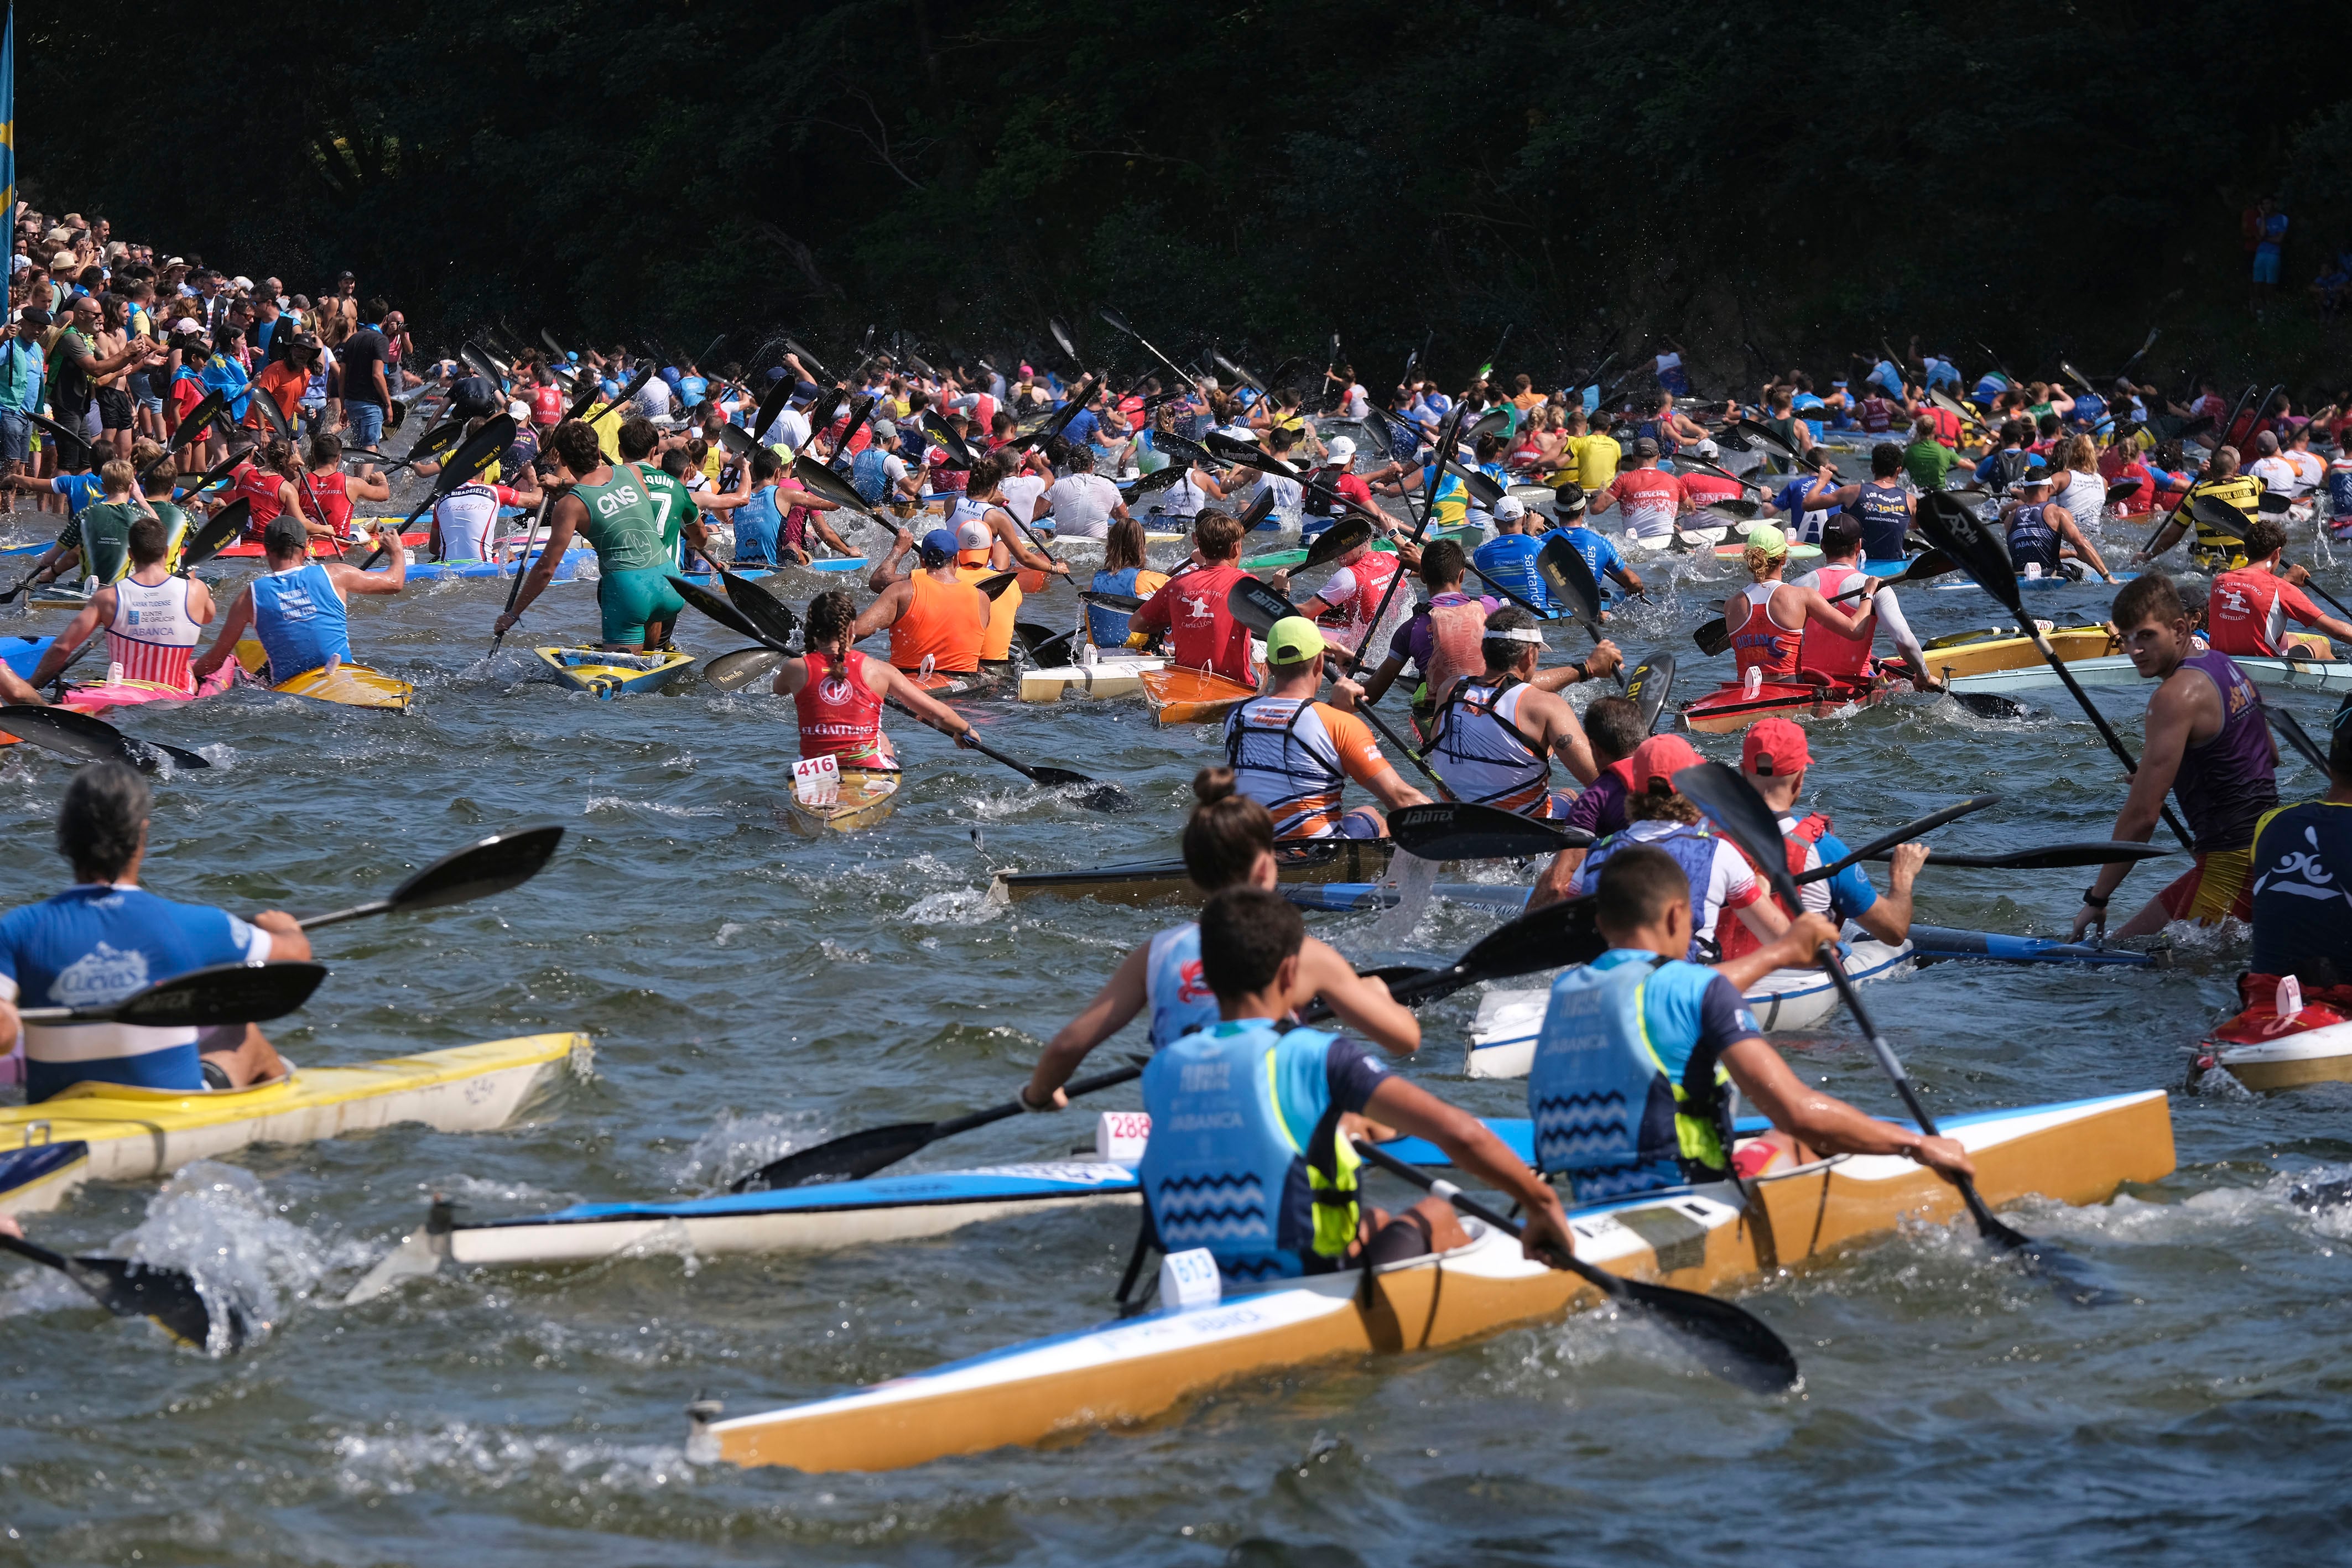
x=1191 y=609
x=2247 y=611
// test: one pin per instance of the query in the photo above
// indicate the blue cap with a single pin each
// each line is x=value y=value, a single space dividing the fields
x=941 y=543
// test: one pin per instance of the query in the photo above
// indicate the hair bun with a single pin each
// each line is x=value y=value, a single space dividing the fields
x=1213 y=784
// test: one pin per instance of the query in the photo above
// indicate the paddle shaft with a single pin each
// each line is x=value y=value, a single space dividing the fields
x=522 y=565
x=1014 y=1107
x=2107 y=732
x=1910 y=830
x=1446 y=439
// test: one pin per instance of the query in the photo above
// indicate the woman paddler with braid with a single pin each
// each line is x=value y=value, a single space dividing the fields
x=839 y=692
x=1228 y=842
x=1770 y=618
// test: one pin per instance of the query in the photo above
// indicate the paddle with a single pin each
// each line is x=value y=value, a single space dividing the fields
x=1470 y=831
x=200 y=999
x=1336 y=541
x=433 y=444
x=1714 y=637
x=857 y=1156
x=220 y=531
x=479 y=870
x=1984 y=556
x=2135 y=357
x=1556 y=937
x=191 y=430
x=2122 y=490
x=2287 y=725
x=636 y=384
x=1731 y=1342
x=1736 y=808
x=1482 y=489
x=859 y=408
x=2041 y=857
x=87 y=739
x=168 y=1297
x=2150 y=544
x=522 y=565
x=1653 y=681
x=819 y=480
x=1237 y=370
x=1109 y=601
x=1119 y=323
x=809 y=361
x=960 y=455
x=1569 y=577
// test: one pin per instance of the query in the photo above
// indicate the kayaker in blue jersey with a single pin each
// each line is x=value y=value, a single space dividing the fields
x=2303 y=888
x=1252 y=1154
x=1124 y=570
x=295 y=608
x=105 y=937
x=1599 y=551
x=1881 y=506
x=2041 y=533
x=1228 y=842
x=1509 y=558
x=1806 y=499
x=1629 y=1086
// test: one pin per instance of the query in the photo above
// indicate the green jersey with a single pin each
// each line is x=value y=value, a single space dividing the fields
x=624 y=525
x=101 y=531
x=1928 y=462
x=673 y=504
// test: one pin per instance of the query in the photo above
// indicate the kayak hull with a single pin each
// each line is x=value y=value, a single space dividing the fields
x=350 y=686
x=134 y=1133
x=1698 y=1238
x=1730 y=709
x=2267 y=1053
x=2072 y=643
x=606 y=675
x=1181 y=695
x=2333 y=676
x=1167 y=882
x=1114 y=678
x=867 y=797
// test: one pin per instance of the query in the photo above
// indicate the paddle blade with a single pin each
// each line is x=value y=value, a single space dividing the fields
x=996 y=582
x=736 y=442
x=1070 y=410
x=480 y=870
x=859 y=407
x=1109 y=601
x=960 y=455
x=848 y=1159
x=218 y=533
x=85 y=738
x=1252 y=603
x=1465 y=830
x=1112 y=318
x=771 y=406
x=1061 y=331
x=733 y=672
x=219 y=994
x=1736 y=809
x=1158 y=479
x=199 y=420
x=717 y=609
x=819 y=480
x=1728 y=1340
x=1491 y=422
x=1991 y=704
x=809 y=361
x=773 y=617
x=1652 y=682
x=481 y=449
x=1713 y=637
x=1482 y=490
x=2054 y=857
x=2287 y=725
x=1975 y=545
x=1336 y=540
x=1570 y=578
x=167 y=1297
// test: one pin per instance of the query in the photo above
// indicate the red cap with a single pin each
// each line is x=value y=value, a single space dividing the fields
x=1775 y=749
x=1655 y=762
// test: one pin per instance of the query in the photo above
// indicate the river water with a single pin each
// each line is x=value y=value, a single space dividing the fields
x=749 y=990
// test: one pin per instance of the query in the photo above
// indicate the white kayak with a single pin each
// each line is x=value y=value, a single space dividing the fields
x=1503 y=1037
x=1116 y=676
x=2116 y=670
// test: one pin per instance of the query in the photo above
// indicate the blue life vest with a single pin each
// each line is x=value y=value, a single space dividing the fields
x=757 y=524
x=1693 y=850
x=2032 y=538
x=868 y=472
x=1180 y=999
x=300 y=620
x=1223 y=1172
x=1606 y=1114
x=2339 y=492
x=1108 y=627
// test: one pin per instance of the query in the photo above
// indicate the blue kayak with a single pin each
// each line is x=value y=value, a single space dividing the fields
x=1931 y=942
x=23 y=654
x=566 y=569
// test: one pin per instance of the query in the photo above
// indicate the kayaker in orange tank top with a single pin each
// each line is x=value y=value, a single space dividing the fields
x=930 y=611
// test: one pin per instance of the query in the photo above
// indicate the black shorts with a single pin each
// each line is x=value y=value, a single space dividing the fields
x=113 y=408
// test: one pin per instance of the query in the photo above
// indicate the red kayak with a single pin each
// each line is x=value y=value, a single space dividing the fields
x=320 y=549
x=1731 y=708
x=97 y=697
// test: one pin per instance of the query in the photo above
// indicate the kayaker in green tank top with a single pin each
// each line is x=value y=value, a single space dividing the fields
x=608 y=507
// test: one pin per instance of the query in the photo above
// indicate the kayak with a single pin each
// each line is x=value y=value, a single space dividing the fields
x=567 y=568
x=320 y=549
x=1700 y=1238
x=97 y=697
x=350 y=686
x=1734 y=549
x=839 y=563
x=604 y=673
x=1118 y=676
x=1503 y=1037
x=1181 y=695
x=127 y=1135
x=2263 y=1051
x=865 y=801
x=2034 y=584
x=1729 y=708
x=1348 y=897
x=1979 y=654
x=61 y=595
x=1936 y=944
x=23 y=654
x=2116 y=670
x=1167 y=882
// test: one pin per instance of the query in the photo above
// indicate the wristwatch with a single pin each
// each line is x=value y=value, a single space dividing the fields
x=2091 y=899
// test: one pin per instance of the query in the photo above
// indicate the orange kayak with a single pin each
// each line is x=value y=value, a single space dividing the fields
x=1179 y=695
x=1727 y=710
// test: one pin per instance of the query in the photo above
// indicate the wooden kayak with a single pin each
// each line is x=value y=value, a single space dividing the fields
x=2264 y=1052
x=1183 y=695
x=127 y=1135
x=1730 y=709
x=1984 y=651
x=1503 y=1037
x=1166 y=881
x=350 y=686
x=1699 y=1238
x=606 y=675
x=867 y=797
x=1118 y=677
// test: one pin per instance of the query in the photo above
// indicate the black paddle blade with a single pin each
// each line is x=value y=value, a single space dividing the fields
x=1468 y=831
x=87 y=739
x=1338 y=540
x=1490 y=422
x=271 y=415
x=1735 y=807
x=773 y=617
x=218 y=533
x=733 y=672
x=480 y=870
x=218 y=994
x=717 y=609
x=166 y=1296
x=996 y=582
x=1730 y=1341
x=481 y=449
x=736 y=442
x=1482 y=490
x=1991 y=704
x=1259 y=510
x=1158 y=479
x=2053 y=857
x=1713 y=637
x=200 y=418
x=809 y=361
x=1070 y=410
x=2122 y=490
x=436 y=442
x=821 y=412
x=958 y=455
x=819 y=480
x=847 y=1158
x=1251 y=603
x=1109 y=601
x=1115 y=321
x=1977 y=547
x=1652 y=682
x=1569 y=577
x=2287 y=725
x=859 y=407
x=772 y=405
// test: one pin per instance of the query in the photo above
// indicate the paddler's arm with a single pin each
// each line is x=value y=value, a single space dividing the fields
x=886 y=574
x=920 y=703
x=1376 y=685
x=1121 y=997
x=1820 y=609
x=1359 y=1001
x=1907 y=641
x=1564 y=736
x=2072 y=532
x=70 y=640
x=1822 y=1122
x=883 y=613
x=564 y=517
x=2171 y=713
x=352 y=579
x=240 y=616
x=1383 y=781
x=1023 y=552
x=368 y=484
x=1477 y=1153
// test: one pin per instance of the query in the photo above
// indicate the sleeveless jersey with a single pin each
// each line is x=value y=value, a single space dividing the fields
x=1760 y=643
x=1284 y=759
x=839 y=715
x=1845 y=660
x=300 y=620
x=467 y=517
x=1371 y=574
x=946 y=621
x=150 y=635
x=1800 y=843
x=1457 y=643
x=996 y=641
x=2226 y=785
x=1886 y=515
x=1477 y=748
x=1176 y=999
x=2031 y=540
x=623 y=525
x=2302 y=893
x=327 y=498
x=260 y=488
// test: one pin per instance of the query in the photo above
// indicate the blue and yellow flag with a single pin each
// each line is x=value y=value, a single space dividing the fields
x=9 y=123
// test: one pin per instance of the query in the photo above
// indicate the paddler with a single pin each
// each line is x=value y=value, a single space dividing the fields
x=1839 y=660
x=1294 y=755
x=838 y=693
x=1651 y=499
x=1882 y=508
x=1607 y=563
x=105 y=937
x=1770 y=618
x=1124 y=572
x=1496 y=732
x=1639 y=1049
x=1250 y=1105
x=2247 y=611
x=2301 y=861
x=2208 y=744
x=1228 y=842
x=1717 y=876
x=2220 y=527
x=2041 y=531
x=609 y=508
x=938 y=621
x=97 y=537
x=296 y=607
x=1357 y=591
x=152 y=618
x=1775 y=756
x=1190 y=606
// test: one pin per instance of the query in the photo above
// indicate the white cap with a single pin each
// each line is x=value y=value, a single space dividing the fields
x=1342 y=450
x=1510 y=507
x=1707 y=448
x=974 y=534
x=519 y=409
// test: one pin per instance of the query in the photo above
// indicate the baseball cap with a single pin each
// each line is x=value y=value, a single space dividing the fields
x=939 y=546
x=1510 y=507
x=884 y=430
x=973 y=535
x=1767 y=538
x=1644 y=446
x=1292 y=640
x=1341 y=450
x=519 y=409
x=1568 y=500
x=1651 y=769
x=1706 y=448
x=187 y=324
x=1775 y=749
x=286 y=535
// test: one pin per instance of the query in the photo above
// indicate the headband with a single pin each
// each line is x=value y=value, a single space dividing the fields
x=1517 y=634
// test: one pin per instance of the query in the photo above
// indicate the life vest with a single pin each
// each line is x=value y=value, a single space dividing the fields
x=1457 y=634
x=546 y=405
x=1176 y=998
x=1372 y=573
x=1283 y=759
x=327 y=498
x=869 y=472
x=1107 y=628
x=2032 y=541
x=946 y=621
x=1760 y=643
x=1607 y=1115
x=1224 y=1171
x=2242 y=492
x=150 y=635
x=1693 y=850
x=1801 y=844
x=1845 y=660
x=1477 y=746
x=300 y=620
x=840 y=715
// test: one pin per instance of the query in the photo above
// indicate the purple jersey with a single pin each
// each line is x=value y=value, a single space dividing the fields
x=2225 y=785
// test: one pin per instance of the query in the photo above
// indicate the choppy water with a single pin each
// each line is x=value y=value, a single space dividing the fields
x=751 y=990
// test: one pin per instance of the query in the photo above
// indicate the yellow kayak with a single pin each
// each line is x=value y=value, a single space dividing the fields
x=348 y=685
x=115 y=1133
x=607 y=674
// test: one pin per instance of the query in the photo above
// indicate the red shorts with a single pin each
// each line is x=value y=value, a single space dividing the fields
x=2220 y=883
